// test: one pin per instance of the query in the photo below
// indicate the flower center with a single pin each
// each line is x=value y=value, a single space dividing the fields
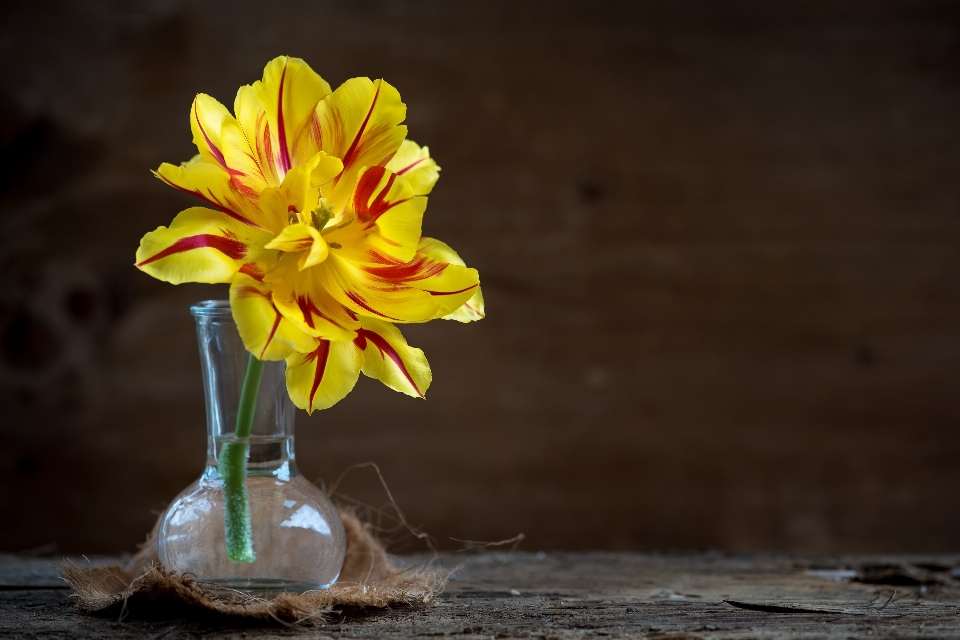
x=318 y=219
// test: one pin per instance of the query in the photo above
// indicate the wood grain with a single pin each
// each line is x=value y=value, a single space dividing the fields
x=570 y=595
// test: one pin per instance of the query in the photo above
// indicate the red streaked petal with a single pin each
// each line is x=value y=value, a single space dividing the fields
x=310 y=311
x=420 y=268
x=452 y=293
x=253 y=270
x=386 y=350
x=230 y=247
x=414 y=163
x=264 y=330
x=368 y=208
x=360 y=340
x=214 y=149
x=471 y=310
x=320 y=356
x=367 y=295
x=281 y=131
x=201 y=245
x=388 y=358
x=424 y=272
x=320 y=378
x=410 y=166
x=360 y=302
x=301 y=297
x=351 y=155
x=273 y=332
x=359 y=123
x=211 y=199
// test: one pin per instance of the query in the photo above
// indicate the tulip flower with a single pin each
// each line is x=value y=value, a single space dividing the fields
x=312 y=206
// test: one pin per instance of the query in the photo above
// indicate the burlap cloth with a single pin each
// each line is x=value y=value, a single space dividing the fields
x=368 y=579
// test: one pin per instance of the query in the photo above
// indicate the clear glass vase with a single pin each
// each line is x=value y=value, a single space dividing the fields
x=298 y=537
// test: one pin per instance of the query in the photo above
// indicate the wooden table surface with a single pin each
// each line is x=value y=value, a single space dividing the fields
x=572 y=595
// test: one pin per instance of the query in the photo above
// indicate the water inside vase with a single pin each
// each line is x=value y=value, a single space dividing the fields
x=267 y=455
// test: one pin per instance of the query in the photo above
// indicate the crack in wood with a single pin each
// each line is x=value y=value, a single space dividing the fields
x=776 y=608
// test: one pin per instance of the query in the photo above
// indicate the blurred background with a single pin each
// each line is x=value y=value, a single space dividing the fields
x=719 y=245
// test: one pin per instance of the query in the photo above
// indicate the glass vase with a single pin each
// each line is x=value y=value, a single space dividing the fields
x=298 y=537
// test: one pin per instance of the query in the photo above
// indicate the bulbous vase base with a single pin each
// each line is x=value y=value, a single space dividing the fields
x=298 y=537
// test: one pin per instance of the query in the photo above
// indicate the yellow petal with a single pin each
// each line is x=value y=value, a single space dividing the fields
x=301 y=185
x=386 y=217
x=211 y=183
x=289 y=93
x=305 y=239
x=274 y=209
x=241 y=160
x=263 y=329
x=278 y=115
x=450 y=285
x=317 y=254
x=415 y=291
x=439 y=250
x=324 y=376
x=206 y=119
x=414 y=163
x=273 y=115
x=388 y=358
x=300 y=297
x=371 y=294
x=359 y=123
x=201 y=245
x=471 y=310
x=295 y=237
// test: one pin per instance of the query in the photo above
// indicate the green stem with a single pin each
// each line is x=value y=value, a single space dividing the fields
x=233 y=470
x=248 y=397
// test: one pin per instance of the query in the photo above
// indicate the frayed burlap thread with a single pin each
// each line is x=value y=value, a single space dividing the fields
x=368 y=579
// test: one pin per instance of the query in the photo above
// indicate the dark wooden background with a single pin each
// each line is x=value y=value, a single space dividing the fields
x=719 y=243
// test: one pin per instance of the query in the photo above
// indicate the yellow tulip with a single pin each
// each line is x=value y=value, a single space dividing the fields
x=313 y=204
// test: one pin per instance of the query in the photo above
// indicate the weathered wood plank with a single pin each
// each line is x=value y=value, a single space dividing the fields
x=577 y=595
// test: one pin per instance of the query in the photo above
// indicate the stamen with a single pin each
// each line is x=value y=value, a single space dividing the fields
x=321 y=215
x=335 y=245
x=292 y=218
x=345 y=223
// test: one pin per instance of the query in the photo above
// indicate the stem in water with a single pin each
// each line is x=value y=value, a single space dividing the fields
x=233 y=470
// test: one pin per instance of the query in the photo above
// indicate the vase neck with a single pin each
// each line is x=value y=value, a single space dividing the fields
x=224 y=362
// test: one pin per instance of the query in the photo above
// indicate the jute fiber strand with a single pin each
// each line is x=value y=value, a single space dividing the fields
x=368 y=579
